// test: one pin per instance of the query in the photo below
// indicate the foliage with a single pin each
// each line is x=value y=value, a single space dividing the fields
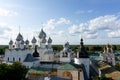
x=117 y=66
x=102 y=78
x=16 y=71
x=2 y=49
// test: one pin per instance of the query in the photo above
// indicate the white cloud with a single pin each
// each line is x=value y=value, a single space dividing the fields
x=97 y=26
x=103 y=22
x=52 y=24
x=91 y=36
x=5 y=12
x=63 y=21
x=83 y=11
x=73 y=29
x=114 y=34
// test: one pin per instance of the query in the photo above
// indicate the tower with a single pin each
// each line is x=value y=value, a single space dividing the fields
x=66 y=54
x=11 y=44
x=108 y=54
x=22 y=44
x=42 y=39
x=49 y=43
x=18 y=41
x=27 y=44
x=33 y=42
x=83 y=58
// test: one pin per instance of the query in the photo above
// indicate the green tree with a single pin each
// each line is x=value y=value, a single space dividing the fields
x=16 y=71
x=117 y=66
x=102 y=78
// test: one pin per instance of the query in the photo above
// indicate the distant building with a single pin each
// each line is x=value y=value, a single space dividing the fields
x=66 y=55
x=108 y=55
x=71 y=71
x=19 y=51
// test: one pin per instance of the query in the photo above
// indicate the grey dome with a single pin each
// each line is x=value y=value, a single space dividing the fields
x=42 y=34
x=22 y=42
x=67 y=44
x=49 y=40
x=11 y=42
x=43 y=40
x=27 y=42
x=34 y=40
x=19 y=37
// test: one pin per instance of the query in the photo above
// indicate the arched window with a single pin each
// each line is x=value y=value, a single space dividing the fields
x=8 y=58
x=67 y=74
x=19 y=59
x=13 y=59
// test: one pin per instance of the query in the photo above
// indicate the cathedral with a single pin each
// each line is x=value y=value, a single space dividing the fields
x=20 y=51
x=36 y=55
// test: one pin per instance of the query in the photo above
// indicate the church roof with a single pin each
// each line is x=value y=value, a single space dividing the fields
x=22 y=42
x=83 y=53
x=49 y=40
x=19 y=37
x=27 y=42
x=34 y=40
x=43 y=40
x=29 y=58
x=11 y=42
x=42 y=34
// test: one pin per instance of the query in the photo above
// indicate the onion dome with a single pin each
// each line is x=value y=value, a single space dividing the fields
x=34 y=40
x=22 y=42
x=42 y=34
x=43 y=40
x=27 y=42
x=19 y=37
x=67 y=45
x=11 y=42
x=49 y=40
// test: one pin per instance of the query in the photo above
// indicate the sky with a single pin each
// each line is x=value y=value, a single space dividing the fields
x=96 y=21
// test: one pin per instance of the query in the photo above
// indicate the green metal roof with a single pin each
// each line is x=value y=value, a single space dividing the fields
x=67 y=66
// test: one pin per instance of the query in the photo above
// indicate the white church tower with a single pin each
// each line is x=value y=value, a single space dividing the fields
x=109 y=55
x=49 y=43
x=18 y=41
x=33 y=42
x=11 y=44
x=27 y=44
x=83 y=58
x=66 y=55
x=42 y=39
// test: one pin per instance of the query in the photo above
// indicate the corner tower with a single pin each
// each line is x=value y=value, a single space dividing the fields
x=83 y=58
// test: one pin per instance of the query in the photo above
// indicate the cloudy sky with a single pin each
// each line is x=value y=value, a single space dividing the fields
x=97 y=21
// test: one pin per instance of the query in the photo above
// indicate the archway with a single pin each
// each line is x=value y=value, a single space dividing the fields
x=67 y=74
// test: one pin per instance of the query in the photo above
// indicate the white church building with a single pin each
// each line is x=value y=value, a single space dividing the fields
x=19 y=51
x=66 y=55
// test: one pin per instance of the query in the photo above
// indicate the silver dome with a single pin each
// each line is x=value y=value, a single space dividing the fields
x=42 y=34
x=27 y=42
x=49 y=40
x=11 y=42
x=43 y=40
x=19 y=37
x=34 y=40
x=22 y=42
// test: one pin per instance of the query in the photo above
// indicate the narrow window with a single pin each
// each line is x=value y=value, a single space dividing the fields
x=13 y=59
x=19 y=59
x=8 y=58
